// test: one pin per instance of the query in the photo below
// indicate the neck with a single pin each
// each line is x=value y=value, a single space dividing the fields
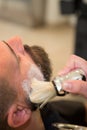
x=37 y=120
x=35 y=123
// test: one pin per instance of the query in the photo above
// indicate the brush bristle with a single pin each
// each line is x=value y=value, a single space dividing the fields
x=41 y=91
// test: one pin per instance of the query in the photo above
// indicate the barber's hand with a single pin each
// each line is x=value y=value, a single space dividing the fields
x=75 y=86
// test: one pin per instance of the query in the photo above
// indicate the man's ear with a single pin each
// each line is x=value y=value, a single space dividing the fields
x=18 y=116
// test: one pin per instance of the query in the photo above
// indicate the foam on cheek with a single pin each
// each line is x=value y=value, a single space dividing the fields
x=26 y=86
x=33 y=72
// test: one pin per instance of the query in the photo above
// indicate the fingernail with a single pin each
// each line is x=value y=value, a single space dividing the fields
x=67 y=86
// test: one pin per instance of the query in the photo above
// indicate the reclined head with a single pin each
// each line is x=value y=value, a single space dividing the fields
x=18 y=65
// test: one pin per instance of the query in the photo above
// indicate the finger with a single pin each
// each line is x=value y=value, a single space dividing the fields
x=73 y=63
x=70 y=65
x=76 y=87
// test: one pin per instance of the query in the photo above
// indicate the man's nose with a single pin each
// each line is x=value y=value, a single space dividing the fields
x=16 y=44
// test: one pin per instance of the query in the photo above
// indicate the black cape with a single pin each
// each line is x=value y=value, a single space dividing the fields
x=72 y=112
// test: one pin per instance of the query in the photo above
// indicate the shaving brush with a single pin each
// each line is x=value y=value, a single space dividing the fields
x=43 y=91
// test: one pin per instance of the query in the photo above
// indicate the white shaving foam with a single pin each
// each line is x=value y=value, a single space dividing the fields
x=33 y=72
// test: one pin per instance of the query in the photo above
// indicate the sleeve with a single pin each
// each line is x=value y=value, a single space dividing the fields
x=72 y=111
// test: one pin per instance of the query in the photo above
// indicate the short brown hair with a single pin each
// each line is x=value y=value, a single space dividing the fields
x=41 y=59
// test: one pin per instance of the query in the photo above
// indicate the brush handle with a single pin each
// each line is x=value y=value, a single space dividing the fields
x=77 y=74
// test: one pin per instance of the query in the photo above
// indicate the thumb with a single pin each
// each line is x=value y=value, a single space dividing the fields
x=76 y=87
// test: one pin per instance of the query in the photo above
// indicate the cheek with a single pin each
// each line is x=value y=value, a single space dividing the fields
x=33 y=72
x=14 y=72
x=10 y=70
x=26 y=86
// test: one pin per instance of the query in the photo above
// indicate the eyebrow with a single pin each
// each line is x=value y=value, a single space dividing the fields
x=11 y=50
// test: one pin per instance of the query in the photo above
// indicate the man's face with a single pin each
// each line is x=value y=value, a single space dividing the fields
x=17 y=66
